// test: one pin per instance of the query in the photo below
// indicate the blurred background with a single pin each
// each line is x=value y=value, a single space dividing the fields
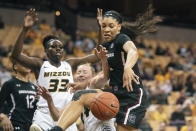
x=167 y=57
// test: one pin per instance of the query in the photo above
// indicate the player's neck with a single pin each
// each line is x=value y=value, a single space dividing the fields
x=22 y=77
x=56 y=64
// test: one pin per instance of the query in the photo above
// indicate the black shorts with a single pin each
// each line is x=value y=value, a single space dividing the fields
x=132 y=106
x=18 y=126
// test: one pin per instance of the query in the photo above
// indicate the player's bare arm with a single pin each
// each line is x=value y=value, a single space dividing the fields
x=55 y=113
x=129 y=75
x=90 y=58
x=29 y=62
x=74 y=62
x=78 y=85
x=99 y=22
x=101 y=79
x=5 y=123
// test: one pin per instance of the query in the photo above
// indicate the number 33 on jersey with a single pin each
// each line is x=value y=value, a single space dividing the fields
x=55 y=79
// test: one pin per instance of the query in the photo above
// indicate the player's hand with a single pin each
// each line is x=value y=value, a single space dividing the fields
x=42 y=91
x=102 y=53
x=6 y=123
x=30 y=18
x=99 y=17
x=73 y=87
x=128 y=76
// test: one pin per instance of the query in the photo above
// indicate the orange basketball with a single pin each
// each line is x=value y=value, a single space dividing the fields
x=105 y=106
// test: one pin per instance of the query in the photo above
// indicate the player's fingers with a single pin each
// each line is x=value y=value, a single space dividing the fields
x=135 y=79
x=124 y=81
x=96 y=51
x=97 y=11
x=6 y=127
x=100 y=47
x=67 y=86
x=138 y=79
x=44 y=89
x=39 y=93
x=41 y=88
x=130 y=85
x=104 y=50
x=10 y=127
x=127 y=86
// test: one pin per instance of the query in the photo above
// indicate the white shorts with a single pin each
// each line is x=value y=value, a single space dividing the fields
x=91 y=123
x=102 y=126
x=43 y=119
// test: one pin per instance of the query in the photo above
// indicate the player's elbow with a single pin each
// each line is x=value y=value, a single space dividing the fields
x=134 y=53
x=55 y=118
x=14 y=56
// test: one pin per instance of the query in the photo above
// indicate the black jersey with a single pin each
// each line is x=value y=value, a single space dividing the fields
x=132 y=104
x=117 y=58
x=20 y=97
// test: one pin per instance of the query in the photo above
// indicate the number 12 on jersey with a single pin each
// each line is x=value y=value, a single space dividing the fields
x=30 y=100
x=55 y=85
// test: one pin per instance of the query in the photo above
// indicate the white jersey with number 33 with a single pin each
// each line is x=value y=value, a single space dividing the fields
x=55 y=79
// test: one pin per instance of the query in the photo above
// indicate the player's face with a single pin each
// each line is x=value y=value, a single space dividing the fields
x=84 y=72
x=110 y=28
x=55 y=50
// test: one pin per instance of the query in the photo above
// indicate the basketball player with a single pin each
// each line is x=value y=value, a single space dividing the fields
x=19 y=94
x=123 y=74
x=84 y=72
x=52 y=74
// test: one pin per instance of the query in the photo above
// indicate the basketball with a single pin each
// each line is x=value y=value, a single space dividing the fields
x=105 y=106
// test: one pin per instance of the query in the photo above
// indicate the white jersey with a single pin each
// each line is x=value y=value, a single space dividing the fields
x=55 y=79
x=91 y=123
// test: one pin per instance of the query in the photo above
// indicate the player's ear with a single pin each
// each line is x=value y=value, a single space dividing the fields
x=119 y=27
x=14 y=67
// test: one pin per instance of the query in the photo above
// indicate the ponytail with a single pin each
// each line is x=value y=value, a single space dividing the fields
x=145 y=23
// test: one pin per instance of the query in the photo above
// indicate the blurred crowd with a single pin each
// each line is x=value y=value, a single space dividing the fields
x=168 y=70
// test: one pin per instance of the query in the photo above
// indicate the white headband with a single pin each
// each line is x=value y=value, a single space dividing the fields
x=53 y=40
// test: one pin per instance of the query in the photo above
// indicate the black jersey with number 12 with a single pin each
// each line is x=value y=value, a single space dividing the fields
x=20 y=98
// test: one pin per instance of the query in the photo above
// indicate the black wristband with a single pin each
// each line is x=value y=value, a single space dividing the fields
x=56 y=128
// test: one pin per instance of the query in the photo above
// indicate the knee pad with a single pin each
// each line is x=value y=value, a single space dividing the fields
x=79 y=93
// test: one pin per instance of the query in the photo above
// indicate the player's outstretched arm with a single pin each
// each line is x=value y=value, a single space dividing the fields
x=129 y=75
x=74 y=62
x=29 y=62
x=99 y=22
x=101 y=79
x=55 y=113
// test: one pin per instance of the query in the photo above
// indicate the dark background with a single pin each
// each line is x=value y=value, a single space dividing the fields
x=180 y=13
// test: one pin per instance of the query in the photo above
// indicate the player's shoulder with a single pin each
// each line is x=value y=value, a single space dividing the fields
x=33 y=85
x=65 y=63
x=10 y=82
x=121 y=36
